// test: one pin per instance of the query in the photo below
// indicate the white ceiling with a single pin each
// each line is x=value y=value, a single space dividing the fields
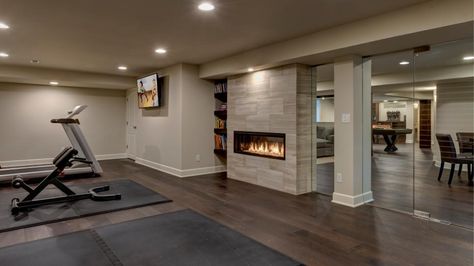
x=97 y=36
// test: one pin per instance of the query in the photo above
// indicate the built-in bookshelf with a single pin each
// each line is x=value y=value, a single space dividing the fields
x=220 y=115
x=425 y=124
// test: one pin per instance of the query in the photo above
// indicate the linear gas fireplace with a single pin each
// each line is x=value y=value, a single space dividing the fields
x=270 y=145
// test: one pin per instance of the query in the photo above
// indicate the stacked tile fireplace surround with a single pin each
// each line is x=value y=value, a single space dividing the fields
x=269 y=128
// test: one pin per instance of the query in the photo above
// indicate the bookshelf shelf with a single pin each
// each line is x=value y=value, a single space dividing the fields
x=222 y=114
x=220 y=152
x=220 y=130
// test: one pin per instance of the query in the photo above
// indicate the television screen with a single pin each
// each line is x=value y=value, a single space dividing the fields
x=149 y=91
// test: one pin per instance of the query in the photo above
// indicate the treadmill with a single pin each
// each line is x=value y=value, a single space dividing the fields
x=87 y=164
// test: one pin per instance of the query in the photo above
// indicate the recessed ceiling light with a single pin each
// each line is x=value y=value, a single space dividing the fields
x=160 y=51
x=385 y=101
x=4 y=26
x=206 y=6
x=470 y=57
x=404 y=63
x=35 y=61
x=2 y=54
x=395 y=101
x=54 y=83
x=250 y=69
x=122 y=68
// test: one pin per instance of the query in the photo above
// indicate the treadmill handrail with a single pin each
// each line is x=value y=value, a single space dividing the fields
x=76 y=110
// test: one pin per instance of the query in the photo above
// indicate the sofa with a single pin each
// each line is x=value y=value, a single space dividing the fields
x=325 y=139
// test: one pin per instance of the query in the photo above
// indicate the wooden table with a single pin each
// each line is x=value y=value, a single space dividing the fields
x=390 y=136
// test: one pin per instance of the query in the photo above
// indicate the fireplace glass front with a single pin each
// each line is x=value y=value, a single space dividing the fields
x=270 y=145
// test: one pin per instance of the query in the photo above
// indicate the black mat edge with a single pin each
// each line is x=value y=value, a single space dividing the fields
x=89 y=214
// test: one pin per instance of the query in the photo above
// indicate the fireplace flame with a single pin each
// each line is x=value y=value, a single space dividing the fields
x=266 y=148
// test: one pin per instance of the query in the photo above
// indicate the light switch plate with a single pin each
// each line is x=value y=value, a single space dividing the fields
x=346 y=117
x=339 y=178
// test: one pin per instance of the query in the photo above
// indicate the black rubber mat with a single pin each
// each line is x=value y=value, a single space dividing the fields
x=185 y=238
x=133 y=195
x=178 y=238
x=73 y=249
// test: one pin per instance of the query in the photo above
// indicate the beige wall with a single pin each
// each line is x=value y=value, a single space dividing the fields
x=159 y=130
x=169 y=138
x=326 y=111
x=454 y=110
x=198 y=120
x=26 y=110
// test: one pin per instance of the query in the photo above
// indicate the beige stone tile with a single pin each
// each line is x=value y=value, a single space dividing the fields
x=270 y=106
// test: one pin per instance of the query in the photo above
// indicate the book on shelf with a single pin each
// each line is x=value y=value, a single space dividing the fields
x=220 y=142
x=220 y=87
x=220 y=123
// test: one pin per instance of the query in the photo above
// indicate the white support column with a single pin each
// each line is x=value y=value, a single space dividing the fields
x=349 y=185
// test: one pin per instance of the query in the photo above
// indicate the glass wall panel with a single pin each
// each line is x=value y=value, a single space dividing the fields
x=393 y=130
x=423 y=131
x=323 y=129
x=444 y=119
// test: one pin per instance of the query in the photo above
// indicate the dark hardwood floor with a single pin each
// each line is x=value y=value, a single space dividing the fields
x=308 y=228
x=392 y=185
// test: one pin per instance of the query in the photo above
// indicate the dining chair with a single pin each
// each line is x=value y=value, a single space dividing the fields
x=449 y=155
x=466 y=145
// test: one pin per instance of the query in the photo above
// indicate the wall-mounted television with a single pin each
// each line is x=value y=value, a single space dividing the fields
x=149 y=91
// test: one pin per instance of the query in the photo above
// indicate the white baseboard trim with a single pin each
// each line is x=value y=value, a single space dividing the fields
x=111 y=156
x=160 y=167
x=178 y=172
x=16 y=163
x=204 y=170
x=352 y=201
x=131 y=156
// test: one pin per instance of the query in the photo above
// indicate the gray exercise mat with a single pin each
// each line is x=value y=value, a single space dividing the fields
x=185 y=238
x=133 y=195
x=178 y=238
x=73 y=249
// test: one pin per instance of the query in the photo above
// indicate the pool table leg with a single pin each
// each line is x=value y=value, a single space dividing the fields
x=390 y=140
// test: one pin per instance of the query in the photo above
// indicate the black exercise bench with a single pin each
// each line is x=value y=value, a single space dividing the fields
x=64 y=159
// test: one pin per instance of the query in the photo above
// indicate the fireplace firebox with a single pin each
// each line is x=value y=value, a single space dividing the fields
x=269 y=145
